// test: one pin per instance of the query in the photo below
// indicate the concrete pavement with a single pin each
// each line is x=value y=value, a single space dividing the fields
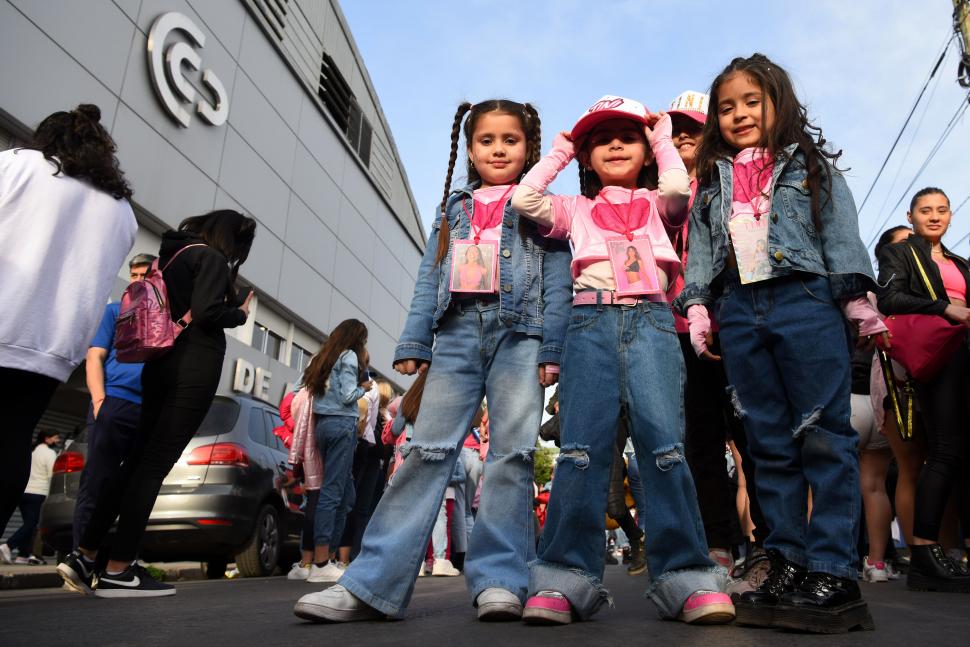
x=259 y=612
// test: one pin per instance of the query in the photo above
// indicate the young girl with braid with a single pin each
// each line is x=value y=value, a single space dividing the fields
x=504 y=345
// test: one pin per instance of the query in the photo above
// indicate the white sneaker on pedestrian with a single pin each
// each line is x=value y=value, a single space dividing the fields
x=335 y=604
x=875 y=571
x=329 y=573
x=444 y=568
x=5 y=555
x=496 y=604
x=299 y=571
x=422 y=571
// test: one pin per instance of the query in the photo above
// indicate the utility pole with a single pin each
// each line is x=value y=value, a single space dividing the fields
x=961 y=24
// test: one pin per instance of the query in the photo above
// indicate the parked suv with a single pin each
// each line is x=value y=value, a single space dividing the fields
x=226 y=498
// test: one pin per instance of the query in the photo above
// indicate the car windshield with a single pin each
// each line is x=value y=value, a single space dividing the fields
x=221 y=417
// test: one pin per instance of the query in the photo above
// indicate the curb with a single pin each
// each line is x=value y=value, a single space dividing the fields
x=10 y=581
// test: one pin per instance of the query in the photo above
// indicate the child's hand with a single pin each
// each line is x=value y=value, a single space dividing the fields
x=548 y=374
x=699 y=323
x=659 y=126
x=411 y=366
x=564 y=142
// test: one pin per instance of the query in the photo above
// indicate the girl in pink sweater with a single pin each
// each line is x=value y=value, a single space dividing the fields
x=621 y=357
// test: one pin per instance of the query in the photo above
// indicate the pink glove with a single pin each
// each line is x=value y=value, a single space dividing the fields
x=552 y=368
x=545 y=171
x=860 y=311
x=662 y=145
x=699 y=325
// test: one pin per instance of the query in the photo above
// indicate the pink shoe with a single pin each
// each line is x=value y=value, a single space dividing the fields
x=707 y=608
x=549 y=608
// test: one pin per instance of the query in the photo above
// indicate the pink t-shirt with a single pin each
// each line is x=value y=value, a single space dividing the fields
x=750 y=206
x=488 y=197
x=956 y=286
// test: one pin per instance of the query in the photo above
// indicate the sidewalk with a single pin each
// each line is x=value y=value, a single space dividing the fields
x=17 y=576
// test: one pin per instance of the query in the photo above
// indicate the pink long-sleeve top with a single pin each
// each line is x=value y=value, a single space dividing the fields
x=304 y=446
x=649 y=213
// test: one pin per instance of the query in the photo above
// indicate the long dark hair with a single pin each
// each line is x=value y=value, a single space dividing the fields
x=350 y=334
x=791 y=127
x=887 y=239
x=411 y=402
x=79 y=146
x=228 y=232
x=528 y=117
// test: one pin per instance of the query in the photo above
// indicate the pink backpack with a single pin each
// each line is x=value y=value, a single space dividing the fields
x=144 y=329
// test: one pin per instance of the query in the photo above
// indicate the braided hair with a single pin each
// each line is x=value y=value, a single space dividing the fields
x=80 y=147
x=529 y=118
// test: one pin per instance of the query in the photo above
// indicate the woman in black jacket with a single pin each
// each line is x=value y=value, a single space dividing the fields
x=945 y=399
x=177 y=391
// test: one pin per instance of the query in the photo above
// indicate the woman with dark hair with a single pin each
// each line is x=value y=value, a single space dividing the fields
x=337 y=378
x=201 y=261
x=65 y=229
x=38 y=486
x=921 y=276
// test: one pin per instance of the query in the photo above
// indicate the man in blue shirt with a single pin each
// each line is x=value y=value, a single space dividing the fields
x=115 y=407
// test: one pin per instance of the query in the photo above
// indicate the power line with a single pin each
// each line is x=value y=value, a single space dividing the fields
x=933 y=71
x=962 y=108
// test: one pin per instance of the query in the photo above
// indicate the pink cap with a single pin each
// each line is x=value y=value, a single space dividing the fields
x=690 y=104
x=609 y=107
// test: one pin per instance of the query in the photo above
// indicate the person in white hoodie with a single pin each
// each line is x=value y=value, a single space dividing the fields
x=65 y=229
x=41 y=471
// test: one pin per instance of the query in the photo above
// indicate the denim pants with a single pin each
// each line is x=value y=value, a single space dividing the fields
x=473 y=472
x=636 y=487
x=786 y=350
x=475 y=354
x=622 y=358
x=336 y=440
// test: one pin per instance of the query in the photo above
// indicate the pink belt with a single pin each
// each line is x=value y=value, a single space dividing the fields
x=609 y=298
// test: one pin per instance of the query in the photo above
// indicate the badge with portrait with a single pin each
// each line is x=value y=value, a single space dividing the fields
x=634 y=268
x=474 y=266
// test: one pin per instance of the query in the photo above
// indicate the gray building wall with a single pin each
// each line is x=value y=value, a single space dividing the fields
x=337 y=239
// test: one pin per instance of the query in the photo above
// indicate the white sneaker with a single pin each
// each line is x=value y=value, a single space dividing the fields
x=329 y=573
x=5 y=555
x=874 y=572
x=422 y=571
x=299 y=571
x=496 y=604
x=335 y=604
x=21 y=560
x=444 y=568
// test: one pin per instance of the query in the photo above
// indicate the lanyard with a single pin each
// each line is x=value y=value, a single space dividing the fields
x=622 y=223
x=493 y=214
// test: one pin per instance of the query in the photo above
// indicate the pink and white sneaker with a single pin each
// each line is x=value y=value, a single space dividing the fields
x=548 y=608
x=707 y=608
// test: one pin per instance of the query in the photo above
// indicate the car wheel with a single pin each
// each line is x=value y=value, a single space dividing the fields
x=259 y=556
x=215 y=568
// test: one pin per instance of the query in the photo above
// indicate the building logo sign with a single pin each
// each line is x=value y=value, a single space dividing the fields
x=165 y=68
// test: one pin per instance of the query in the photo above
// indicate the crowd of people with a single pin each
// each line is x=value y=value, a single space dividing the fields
x=740 y=401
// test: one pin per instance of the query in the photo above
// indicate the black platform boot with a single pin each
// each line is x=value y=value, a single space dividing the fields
x=757 y=608
x=931 y=570
x=824 y=604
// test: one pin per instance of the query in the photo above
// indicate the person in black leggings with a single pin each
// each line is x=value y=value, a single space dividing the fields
x=177 y=391
x=904 y=270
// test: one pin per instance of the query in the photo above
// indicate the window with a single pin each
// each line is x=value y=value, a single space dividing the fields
x=257 y=427
x=336 y=94
x=267 y=341
x=299 y=358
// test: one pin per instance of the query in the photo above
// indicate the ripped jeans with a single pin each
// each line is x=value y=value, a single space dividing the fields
x=786 y=351
x=475 y=354
x=622 y=357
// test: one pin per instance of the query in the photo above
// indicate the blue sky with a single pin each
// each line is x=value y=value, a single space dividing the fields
x=857 y=64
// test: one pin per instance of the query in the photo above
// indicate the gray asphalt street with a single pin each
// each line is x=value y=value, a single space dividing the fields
x=259 y=612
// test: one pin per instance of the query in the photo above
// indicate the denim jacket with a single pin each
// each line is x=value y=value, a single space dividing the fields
x=343 y=389
x=535 y=289
x=794 y=244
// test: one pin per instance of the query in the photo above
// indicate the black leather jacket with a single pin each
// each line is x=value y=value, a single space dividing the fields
x=901 y=286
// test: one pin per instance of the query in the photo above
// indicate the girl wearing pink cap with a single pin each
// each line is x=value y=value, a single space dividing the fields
x=620 y=357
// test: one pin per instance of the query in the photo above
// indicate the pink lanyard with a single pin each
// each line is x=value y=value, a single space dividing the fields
x=622 y=224
x=493 y=214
